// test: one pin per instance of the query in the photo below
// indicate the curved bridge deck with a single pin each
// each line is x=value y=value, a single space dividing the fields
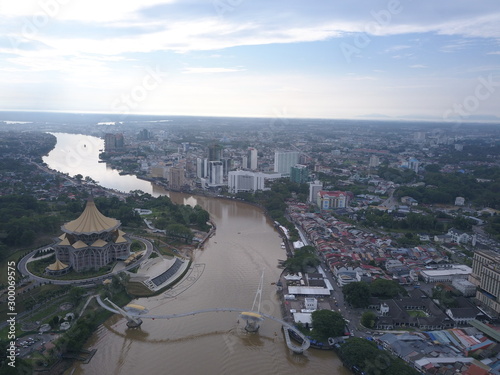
x=295 y=348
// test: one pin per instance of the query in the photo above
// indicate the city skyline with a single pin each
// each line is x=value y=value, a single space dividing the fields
x=377 y=59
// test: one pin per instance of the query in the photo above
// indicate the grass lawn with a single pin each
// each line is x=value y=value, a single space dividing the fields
x=417 y=313
x=38 y=267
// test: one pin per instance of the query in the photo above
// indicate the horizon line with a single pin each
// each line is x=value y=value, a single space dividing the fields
x=374 y=117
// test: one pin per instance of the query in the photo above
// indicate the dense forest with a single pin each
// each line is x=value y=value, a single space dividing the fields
x=479 y=187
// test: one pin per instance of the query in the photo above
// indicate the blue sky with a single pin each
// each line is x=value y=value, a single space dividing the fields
x=321 y=58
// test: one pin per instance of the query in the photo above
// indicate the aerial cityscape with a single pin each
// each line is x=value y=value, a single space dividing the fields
x=228 y=187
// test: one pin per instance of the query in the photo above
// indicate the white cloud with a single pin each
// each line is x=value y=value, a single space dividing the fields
x=397 y=48
x=212 y=70
x=418 y=66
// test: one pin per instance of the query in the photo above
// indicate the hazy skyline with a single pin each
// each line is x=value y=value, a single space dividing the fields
x=329 y=59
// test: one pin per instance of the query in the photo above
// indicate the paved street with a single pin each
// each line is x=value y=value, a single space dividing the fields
x=352 y=315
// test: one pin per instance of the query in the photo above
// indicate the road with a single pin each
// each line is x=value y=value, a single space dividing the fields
x=353 y=316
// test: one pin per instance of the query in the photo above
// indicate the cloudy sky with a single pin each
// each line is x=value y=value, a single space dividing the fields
x=319 y=58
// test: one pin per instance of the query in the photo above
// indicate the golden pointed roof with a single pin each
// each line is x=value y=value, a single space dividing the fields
x=91 y=221
x=120 y=238
x=79 y=244
x=57 y=266
x=99 y=243
x=65 y=242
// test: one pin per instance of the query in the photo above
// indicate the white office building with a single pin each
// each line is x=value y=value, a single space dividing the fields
x=284 y=161
x=201 y=167
x=252 y=159
x=216 y=175
x=314 y=188
x=239 y=181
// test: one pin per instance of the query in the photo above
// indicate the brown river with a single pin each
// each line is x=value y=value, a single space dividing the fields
x=226 y=273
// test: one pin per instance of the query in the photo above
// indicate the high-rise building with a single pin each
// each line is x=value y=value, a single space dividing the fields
x=314 y=187
x=299 y=174
x=252 y=159
x=216 y=173
x=199 y=167
x=144 y=135
x=284 y=161
x=227 y=164
x=214 y=152
x=202 y=167
x=176 y=178
x=113 y=141
x=249 y=181
x=486 y=276
x=119 y=141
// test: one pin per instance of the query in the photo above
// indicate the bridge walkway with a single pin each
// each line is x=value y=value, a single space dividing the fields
x=296 y=349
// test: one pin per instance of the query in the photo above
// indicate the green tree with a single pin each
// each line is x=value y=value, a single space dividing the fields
x=303 y=259
x=179 y=230
x=54 y=321
x=367 y=357
x=385 y=288
x=357 y=294
x=328 y=323
x=76 y=294
x=368 y=319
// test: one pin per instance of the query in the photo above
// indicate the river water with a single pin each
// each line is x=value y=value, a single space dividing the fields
x=227 y=274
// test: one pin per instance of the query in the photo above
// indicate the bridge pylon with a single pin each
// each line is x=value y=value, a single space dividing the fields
x=132 y=321
x=253 y=317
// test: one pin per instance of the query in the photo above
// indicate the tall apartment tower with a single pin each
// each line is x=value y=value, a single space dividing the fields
x=176 y=178
x=113 y=141
x=252 y=158
x=227 y=164
x=314 y=188
x=486 y=276
x=201 y=167
x=299 y=174
x=284 y=161
x=216 y=173
x=214 y=152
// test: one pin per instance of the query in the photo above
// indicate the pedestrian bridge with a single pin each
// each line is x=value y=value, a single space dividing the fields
x=135 y=318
